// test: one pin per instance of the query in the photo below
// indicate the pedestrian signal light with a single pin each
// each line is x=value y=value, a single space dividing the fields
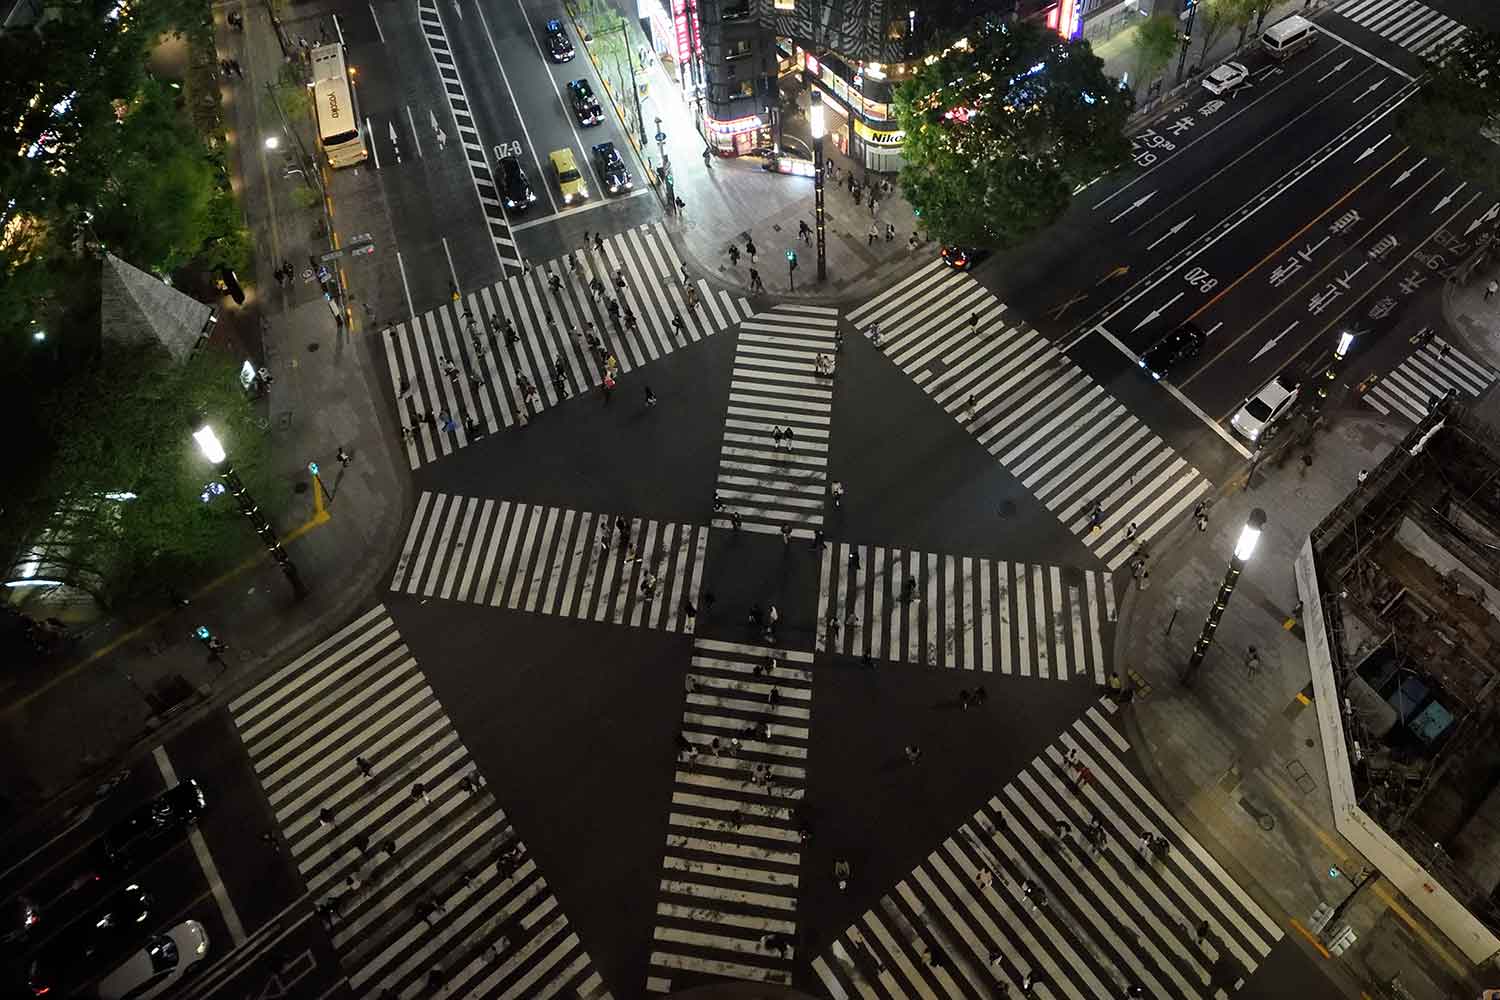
x=203 y=633
x=791 y=258
x=1334 y=872
x=312 y=467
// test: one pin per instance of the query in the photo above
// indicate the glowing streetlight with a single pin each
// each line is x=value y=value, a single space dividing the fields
x=209 y=444
x=1243 y=550
x=819 y=126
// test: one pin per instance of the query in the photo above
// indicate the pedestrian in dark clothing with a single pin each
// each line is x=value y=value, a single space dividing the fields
x=688 y=608
x=326 y=816
x=389 y=847
x=343 y=457
x=981 y=695
x=598 y=243
x=735 y=519
x=756 y=285
x=963 y=698
x=361 y=843
x=269 y=838
x=786 y=534
x=756 y=615
x=1202 y=931
x=913 y=753
x=734 y=255
x=750 y=250
x=854 y=560
x=364 y=767
x=419 y=791
x=818 y=541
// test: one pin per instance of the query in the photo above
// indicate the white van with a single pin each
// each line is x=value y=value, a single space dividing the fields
x=1287 y=37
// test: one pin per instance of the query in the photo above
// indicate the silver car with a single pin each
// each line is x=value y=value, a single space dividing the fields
x=1265 y=407
x=158 y=966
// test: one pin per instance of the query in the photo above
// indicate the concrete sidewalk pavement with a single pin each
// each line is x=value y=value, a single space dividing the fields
x=134 y=682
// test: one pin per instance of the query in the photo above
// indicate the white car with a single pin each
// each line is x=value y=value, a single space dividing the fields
x=1265 y=407
x=158 y=966
x=1225 y=78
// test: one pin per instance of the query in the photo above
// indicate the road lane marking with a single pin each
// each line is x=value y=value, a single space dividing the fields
x=591 y=206
x=376 y=19
x=1197 y=139
x=1178 y=394
x=1321 y=271
x=1368 y=55
x=416 y=139
x=205 y=859
x=490 y=40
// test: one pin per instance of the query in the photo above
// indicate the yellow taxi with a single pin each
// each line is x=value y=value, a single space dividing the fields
x=569 y=181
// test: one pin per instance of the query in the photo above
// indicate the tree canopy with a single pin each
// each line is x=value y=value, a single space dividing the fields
x=1455 y=117
x=119 y=507
x=999 y=135
x=1154 y=43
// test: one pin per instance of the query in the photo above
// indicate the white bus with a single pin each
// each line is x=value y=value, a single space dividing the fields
x=333 y=101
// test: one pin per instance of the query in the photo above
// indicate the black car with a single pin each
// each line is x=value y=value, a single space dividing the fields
x=558 y=45
x=961 y=258
x=612 y=168
x=83 y=947
x=1180 y=345
x=139 y=835
x=515 y=189
x=585 y=104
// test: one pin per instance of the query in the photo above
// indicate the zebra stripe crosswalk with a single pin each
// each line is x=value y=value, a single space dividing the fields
x=1012 y=893
x=466 y=359
x=774 y=389
x=727 y=905
x=964 y=613
x=552 y=561
x=1428 y=373
x=1049 y=424
x=422 y=826
x=1410 y=24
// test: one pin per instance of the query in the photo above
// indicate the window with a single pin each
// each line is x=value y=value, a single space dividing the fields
x=738 y=50
x=784 y=4
x=746 y=89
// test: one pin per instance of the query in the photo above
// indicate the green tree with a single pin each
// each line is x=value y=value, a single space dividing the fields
x=1214 y=18
x=1154 y=44
x=1455 y=117
x=123 y=426
x=999 y=136
x=1243 y=12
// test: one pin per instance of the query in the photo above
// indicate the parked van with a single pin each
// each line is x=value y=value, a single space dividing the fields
x=1287 y=37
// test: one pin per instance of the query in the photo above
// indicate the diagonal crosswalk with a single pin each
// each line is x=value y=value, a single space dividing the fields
x=1067 y=440
x=727 y=906
x=421 y=829
x=964 y=613
x=773 y=468
x=457 y=370
x=1011 y=894
x=1410 y=24
x=553 y=561
x=1428 y=373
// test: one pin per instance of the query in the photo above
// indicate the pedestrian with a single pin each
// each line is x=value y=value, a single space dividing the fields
x=598 y=243
x=874 y=205
x=1096 y=516
x=735 y=519
x=964 y=698
x=466 y=783
x=804 y=232
x=361 y=843
x=344 y=457
x=786 y=534
x=607 y=386
x=786 y=437
x=1130 y=531
x=1252 y=662
x=854 y=559
x=756 y=285
x=734 y=255
x=389 y=847
x=364 y=767
x=1201 y=932
x=756 y=617
x=1359 y=480
x=688 y=608
x=890 y=232
x=913 y=753
x=1202 y=522
x=650 y=397
x=442 y=139
x=1491 y=289
x=873 y=235
x=419 y=791
x=269 y=839
x=819 y=541
x=750 y=249
x=326 y=817
x=773 y=616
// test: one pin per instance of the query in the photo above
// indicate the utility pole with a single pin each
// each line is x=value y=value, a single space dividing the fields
x=1243 y=550
x=815 y=113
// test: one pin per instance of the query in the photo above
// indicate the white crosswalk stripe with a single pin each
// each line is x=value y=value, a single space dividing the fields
x=1428 y=373
x=1414 y=26
x=773 y=389
x=553 y=561
x=360 y=693
x=727 y=902
x=1067 y=440
x=466 y=359
x=1012 y=893
x=964 y=613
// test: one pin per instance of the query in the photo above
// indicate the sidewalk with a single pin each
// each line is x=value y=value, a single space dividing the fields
x=134 y=683
x=1239 y=753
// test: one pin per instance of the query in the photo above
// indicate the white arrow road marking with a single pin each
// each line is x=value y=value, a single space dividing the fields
x=1408 y=172
x=1155 y=313
x=1334 y=70
x=1443 y=202
x=1486 y=217
x=1134 y=205
x=1273 y=341
x=1372 y=149
x=1369 y=90
x=1173 y=231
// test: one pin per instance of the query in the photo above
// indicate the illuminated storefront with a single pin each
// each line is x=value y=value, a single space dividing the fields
x=857 y=109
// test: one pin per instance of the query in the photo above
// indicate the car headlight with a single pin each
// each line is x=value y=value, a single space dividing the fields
x=531 y=196
x=567 y=199
x=202 y=948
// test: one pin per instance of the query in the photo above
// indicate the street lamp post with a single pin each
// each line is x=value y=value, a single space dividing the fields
x=1243 y=549
x=815 y=113
x=1346 y=339
x=1187 y=39
x=208 y=443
